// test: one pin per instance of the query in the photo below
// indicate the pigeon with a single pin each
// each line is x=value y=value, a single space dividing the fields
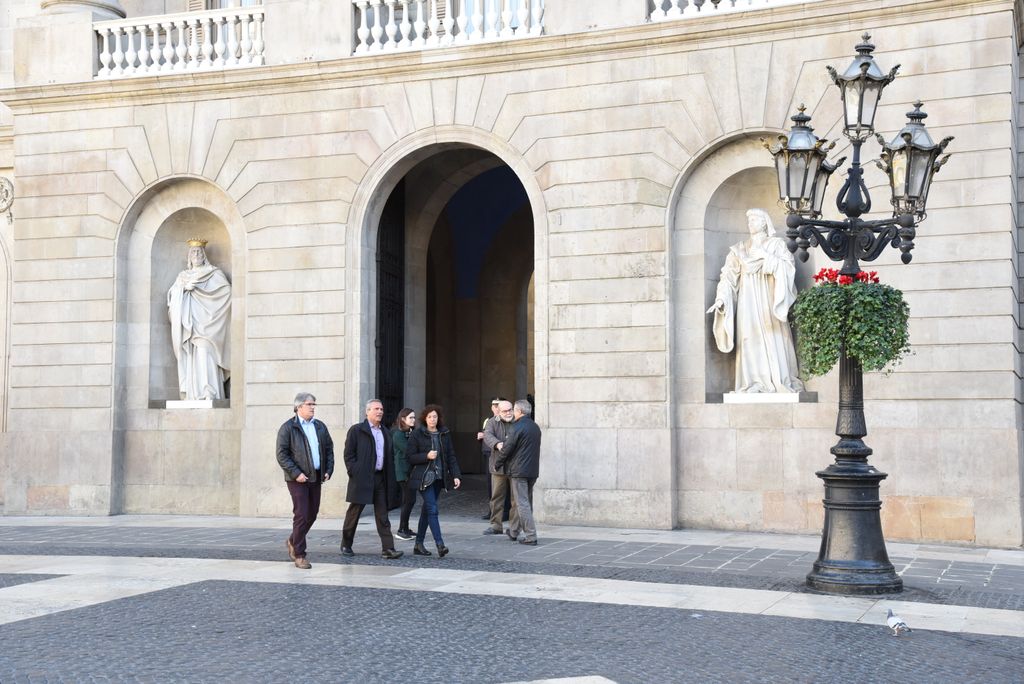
x=896 y=624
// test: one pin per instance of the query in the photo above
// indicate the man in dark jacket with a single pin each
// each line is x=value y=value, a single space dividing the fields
x=305 y=453
x=495 y=433
x=519 y=456
x=371 y=479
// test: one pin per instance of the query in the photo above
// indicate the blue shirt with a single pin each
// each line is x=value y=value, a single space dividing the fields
x=378 y=438
x=314 y=443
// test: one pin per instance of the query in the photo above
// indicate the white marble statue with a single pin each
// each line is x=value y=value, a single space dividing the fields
x=199 y=306
x=751 y=310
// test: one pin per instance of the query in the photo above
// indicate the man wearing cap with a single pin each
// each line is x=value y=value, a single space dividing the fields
x=485 y=451
x=495 y=432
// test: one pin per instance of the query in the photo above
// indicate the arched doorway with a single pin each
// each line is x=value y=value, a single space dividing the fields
x=453 y=304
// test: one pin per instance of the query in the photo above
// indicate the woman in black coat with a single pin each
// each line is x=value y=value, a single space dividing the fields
x=432 y=457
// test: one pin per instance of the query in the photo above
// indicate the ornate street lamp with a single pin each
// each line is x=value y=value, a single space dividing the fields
x=802 y=167
x=910 y=161
x=853 y=558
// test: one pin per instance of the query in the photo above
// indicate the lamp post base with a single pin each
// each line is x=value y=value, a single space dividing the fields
x=853 y=559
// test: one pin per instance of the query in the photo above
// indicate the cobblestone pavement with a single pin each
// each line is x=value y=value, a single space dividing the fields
x=253 y=631
x=236 y=632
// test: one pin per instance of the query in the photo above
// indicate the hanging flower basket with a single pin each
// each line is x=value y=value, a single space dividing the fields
x=867 y=318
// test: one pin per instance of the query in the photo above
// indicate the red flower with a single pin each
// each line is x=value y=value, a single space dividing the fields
x=845 y=280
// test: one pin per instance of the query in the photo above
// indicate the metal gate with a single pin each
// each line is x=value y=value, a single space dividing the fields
x=391 y=304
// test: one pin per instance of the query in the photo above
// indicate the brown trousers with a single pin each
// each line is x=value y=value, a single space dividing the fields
x=305 y=507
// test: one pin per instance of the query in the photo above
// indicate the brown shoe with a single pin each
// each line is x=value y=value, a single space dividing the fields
x=302 y=564
x=291 y=549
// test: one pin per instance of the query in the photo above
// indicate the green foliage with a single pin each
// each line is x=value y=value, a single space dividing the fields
x=869 y=319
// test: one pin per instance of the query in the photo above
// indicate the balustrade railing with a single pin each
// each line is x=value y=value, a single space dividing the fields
x=668 y=10
x=214 y=39
x=384 y=25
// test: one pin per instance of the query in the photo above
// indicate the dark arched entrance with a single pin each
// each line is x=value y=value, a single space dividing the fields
x=454 y=300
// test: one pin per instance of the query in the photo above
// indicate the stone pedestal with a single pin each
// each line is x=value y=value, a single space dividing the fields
x=770 y=398
x=173 y=405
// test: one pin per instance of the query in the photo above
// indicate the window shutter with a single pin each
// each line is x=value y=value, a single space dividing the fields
x=196 y=5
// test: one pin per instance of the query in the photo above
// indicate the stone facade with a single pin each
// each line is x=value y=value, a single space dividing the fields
x=636 y=145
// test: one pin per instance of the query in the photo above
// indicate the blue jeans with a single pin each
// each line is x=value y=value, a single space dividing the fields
x=428 y=515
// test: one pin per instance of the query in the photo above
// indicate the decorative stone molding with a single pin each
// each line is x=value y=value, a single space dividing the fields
x=6 y=194
x=101 y=9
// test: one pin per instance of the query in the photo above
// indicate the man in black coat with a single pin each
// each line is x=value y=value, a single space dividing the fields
x=305 y=453
x=371 y=479
x=519 y=456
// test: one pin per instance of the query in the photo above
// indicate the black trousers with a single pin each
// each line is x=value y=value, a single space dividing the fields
x=305 y=507
x=380 y=513
x=408 y=501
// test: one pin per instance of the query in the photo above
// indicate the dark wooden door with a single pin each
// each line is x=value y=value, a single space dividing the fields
x=391 y=304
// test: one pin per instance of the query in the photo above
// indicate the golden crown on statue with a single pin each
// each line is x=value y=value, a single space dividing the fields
x=197 y=242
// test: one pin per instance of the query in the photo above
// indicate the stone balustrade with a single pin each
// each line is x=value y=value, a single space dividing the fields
x=213 y=39
x=668 y=10
x=384 y=25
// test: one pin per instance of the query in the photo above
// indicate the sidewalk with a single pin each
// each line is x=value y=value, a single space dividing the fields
x=946 y=574
x=194 y=598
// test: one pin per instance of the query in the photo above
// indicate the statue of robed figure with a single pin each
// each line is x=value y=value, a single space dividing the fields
x=755 y=291
x=199 y=307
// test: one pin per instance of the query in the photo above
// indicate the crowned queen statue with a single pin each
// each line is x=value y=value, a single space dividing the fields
x=199 y=307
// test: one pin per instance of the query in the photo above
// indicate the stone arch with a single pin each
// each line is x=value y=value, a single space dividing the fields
x=173 y=461
x=430 y=195
x=361 y=238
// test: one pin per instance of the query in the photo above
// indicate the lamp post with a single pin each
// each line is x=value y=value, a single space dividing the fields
x=853 y=558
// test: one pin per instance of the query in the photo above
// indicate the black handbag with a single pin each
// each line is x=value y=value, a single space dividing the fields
x=429 y=477
x=430 y=474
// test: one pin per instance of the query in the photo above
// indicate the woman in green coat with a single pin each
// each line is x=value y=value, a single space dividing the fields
x=404 y=424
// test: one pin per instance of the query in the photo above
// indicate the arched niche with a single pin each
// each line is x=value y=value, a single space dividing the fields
x=168 y=257
x=152 y=250
x=174 y=461
x=706 y=218
x=725 y=224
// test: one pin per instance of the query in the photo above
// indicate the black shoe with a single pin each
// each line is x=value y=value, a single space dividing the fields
x=347 y=551
x=491 y=530
x=508 y=533
x=485 y=516
x=404 y=535
x=419 y=550
x=442 y=550
x=391 y=554
x=528 y=542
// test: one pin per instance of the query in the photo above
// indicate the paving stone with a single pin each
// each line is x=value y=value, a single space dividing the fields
x=10 y=579
x=241 y=632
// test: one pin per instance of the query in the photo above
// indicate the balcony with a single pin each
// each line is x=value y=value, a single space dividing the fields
x=214 y=39
x=670 y=10
x=386 y=25
x=252 y=33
